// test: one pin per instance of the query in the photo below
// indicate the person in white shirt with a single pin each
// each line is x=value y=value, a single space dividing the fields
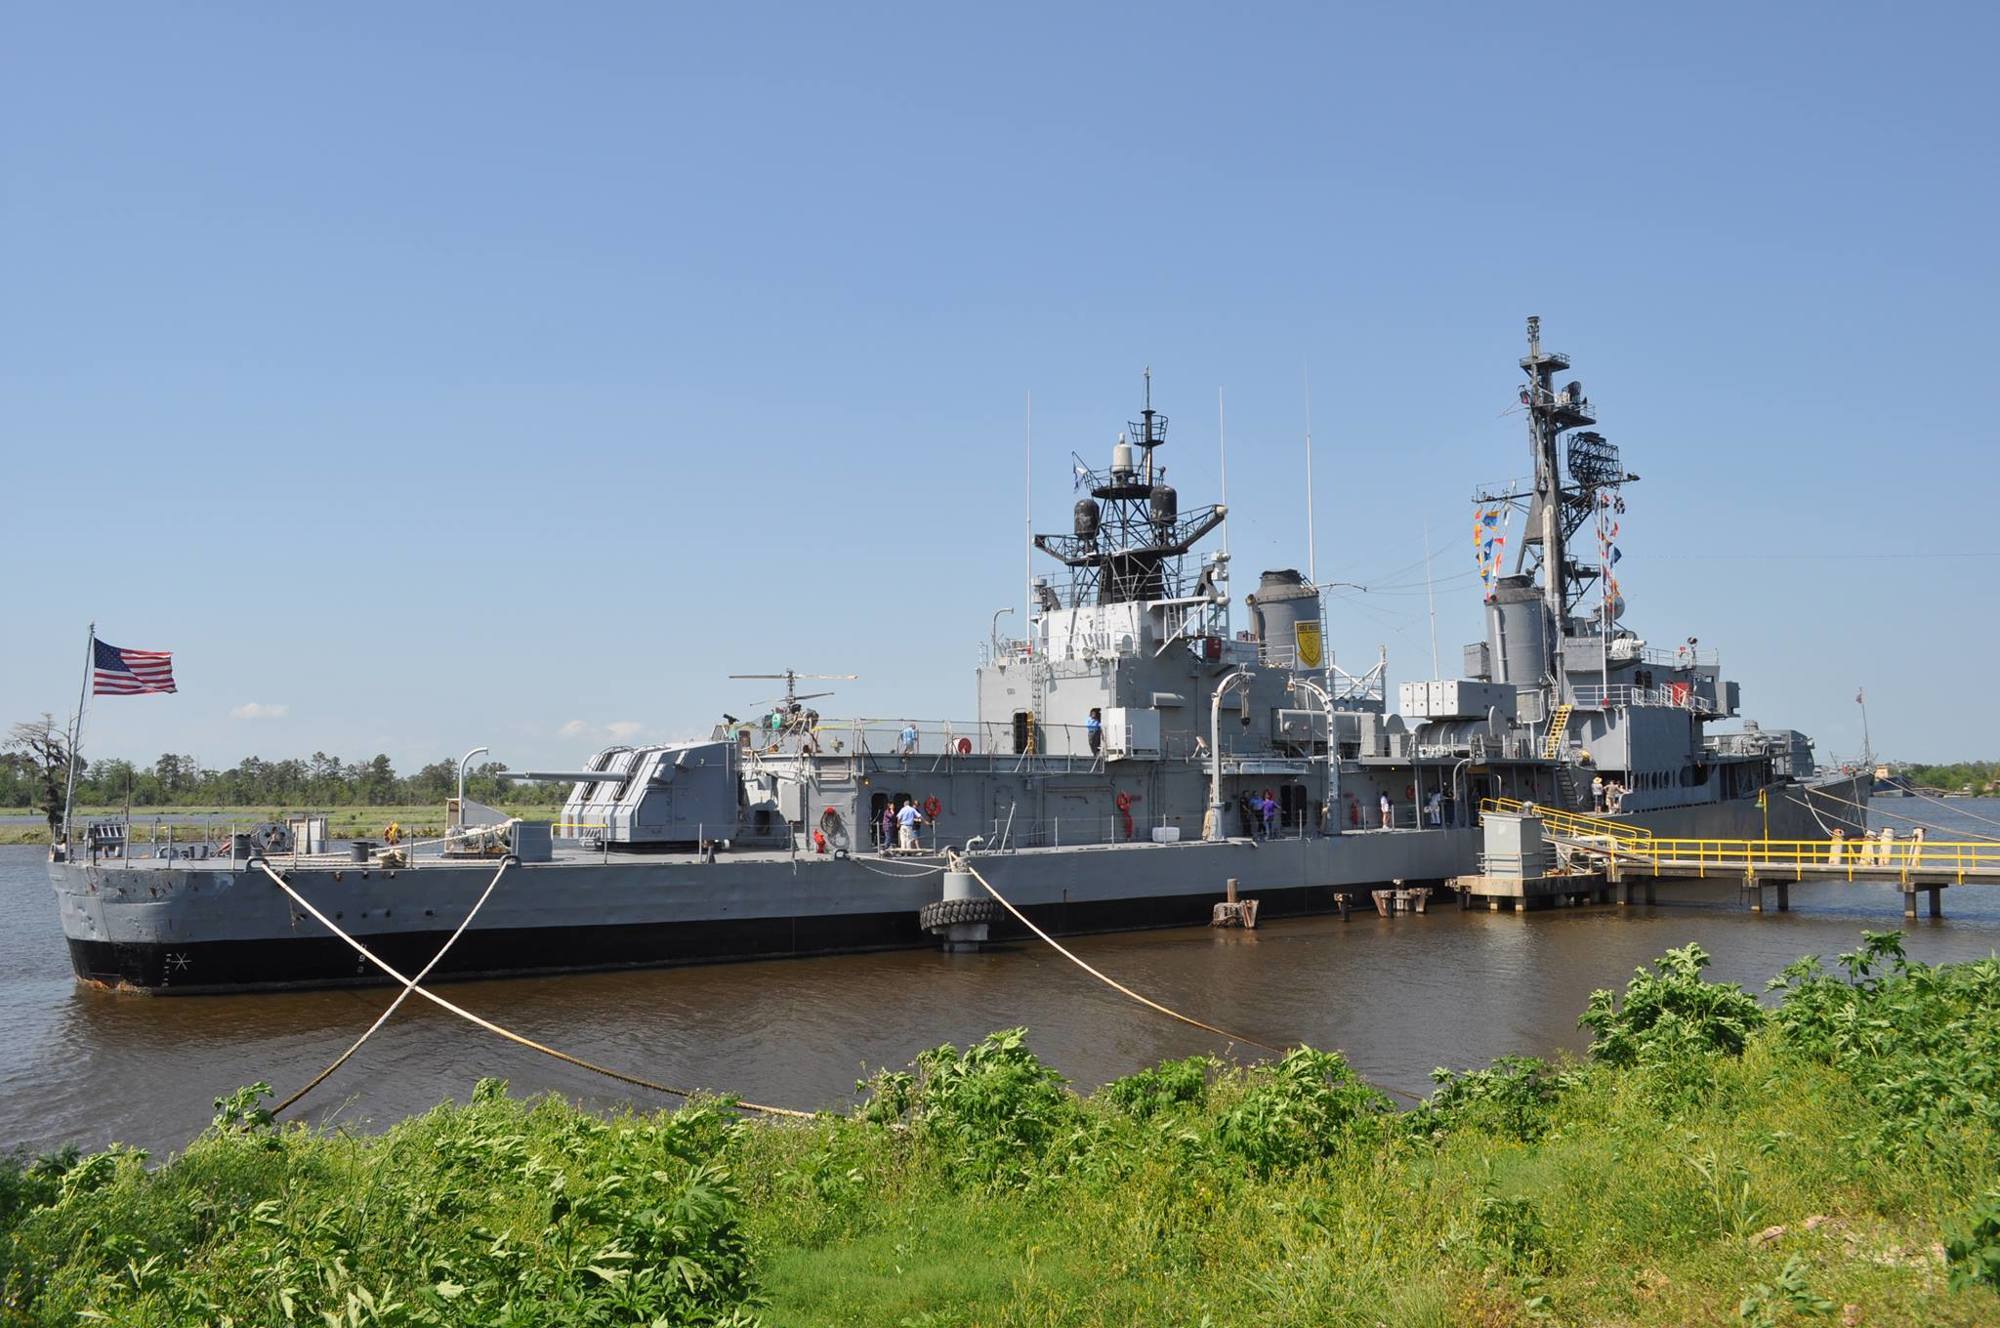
x=1388 y=812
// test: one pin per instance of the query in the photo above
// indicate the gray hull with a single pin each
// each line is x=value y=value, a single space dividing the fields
x=216 y=926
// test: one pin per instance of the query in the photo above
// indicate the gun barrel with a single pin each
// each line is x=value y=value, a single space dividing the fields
x=573 y=776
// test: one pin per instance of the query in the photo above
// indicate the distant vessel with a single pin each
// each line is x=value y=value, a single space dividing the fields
x=1130 y=753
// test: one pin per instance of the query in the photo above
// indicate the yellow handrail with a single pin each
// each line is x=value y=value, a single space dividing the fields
x=1568 y=822
x=1855 y=859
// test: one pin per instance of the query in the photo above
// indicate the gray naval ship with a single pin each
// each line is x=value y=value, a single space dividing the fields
x=1131 y=752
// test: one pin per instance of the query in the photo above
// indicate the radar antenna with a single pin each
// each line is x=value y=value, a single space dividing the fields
x=1558 y=508
x=1130 y=533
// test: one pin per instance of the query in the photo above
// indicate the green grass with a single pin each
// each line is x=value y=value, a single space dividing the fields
x=1837 y=1162
x=424 y=820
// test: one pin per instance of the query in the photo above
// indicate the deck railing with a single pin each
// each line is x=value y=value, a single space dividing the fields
x=1852 y=859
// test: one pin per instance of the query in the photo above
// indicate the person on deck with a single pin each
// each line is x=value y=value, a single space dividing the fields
x=907 y=740
x=888 y=836
x=1093 y=729
x=1597 y=793
x=1269 y=808
x=908 y=821
x=1388 y=811
x=1435 y=807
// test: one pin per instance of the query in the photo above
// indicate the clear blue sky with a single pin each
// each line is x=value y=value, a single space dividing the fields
x=444 y=375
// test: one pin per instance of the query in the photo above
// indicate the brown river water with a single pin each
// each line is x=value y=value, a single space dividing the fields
x=1399 y=996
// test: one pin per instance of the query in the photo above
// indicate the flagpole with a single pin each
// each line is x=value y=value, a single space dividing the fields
x=1028 y=521
x=1867 y=744
x=76 y=731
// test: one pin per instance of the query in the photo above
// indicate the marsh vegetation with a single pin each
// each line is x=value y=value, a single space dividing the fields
x=1832 y=1156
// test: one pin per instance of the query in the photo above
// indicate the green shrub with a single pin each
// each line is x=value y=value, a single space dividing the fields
x=1671 y=1014
x=1516 y=1098
x=1972 y=1246
x=500 y=1212
x=1168 y=1086
x=1916 y=1040
x=988 y=1114
x=1306 y=1106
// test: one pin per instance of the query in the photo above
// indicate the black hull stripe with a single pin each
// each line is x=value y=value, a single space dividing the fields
x=198 y=967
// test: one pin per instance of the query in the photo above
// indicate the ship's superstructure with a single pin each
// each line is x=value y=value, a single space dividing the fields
x=1126 y=755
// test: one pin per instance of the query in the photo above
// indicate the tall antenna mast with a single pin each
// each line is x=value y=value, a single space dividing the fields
x=1312 y=557
x=1222 y=443
x=1430 y=592
x=1028 y=512
x=1222 y=449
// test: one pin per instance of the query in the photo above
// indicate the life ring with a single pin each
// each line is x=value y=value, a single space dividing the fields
x=932 y=807
x=829 y=820
x=965 y=746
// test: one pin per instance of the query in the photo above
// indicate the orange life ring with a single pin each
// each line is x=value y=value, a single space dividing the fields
x=965 y=746
x=932 y=807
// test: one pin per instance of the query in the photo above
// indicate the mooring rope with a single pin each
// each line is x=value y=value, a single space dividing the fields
x=960 y=863
x=491 y=1027
x=1869 y=808
x=1113 y=983
x=402 y=995
x=1956 y=811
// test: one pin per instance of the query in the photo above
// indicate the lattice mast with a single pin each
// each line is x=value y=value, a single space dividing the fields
x=1557 y=510
x=1130 y=534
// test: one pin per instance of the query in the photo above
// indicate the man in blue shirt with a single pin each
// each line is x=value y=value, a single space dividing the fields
x=1093 y=728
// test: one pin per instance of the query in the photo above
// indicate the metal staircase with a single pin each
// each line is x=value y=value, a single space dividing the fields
x=1552 y=745
x=1567 y=786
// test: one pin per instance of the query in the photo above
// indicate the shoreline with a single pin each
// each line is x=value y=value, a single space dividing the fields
x=1708 y=1161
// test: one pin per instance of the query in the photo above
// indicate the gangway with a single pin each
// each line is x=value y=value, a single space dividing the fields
x=1927 y=865
x=1567 y=824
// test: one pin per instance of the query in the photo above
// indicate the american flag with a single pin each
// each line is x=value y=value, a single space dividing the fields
x=116 y=672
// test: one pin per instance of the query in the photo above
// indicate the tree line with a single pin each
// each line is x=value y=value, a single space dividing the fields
x=1958 y=777
x=34 y=769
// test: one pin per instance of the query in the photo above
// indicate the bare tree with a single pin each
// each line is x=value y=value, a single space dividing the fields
x=47 y=746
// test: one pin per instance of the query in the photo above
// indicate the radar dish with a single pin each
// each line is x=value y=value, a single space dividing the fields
x=1594 y=461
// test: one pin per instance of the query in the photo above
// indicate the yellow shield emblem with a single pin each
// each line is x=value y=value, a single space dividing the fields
x=1306 y=636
